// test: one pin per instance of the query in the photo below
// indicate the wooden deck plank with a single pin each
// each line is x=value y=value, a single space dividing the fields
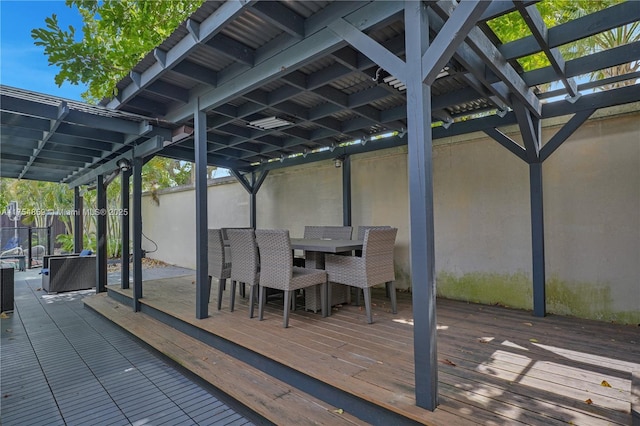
x=510 y=366
x=269 y=397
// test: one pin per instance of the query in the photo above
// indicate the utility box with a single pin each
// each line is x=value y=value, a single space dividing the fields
x=6 y=288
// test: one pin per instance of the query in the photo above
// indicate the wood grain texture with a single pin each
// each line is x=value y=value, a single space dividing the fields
x=497 y=365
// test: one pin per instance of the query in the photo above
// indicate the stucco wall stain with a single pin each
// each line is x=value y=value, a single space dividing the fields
x=579 y=299
x=512 y=290
x=586 y=300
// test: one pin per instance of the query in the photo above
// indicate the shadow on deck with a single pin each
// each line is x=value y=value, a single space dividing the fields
x=496 y=365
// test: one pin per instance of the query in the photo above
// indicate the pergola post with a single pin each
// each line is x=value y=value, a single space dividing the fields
x=78 y=231
x=124 y=227
x=537 y=239
x=101 y=235
x=346 y=191
x=202 y=266
x=253 y=203
x=137 y=232
x=421 y=208
x=252 y=188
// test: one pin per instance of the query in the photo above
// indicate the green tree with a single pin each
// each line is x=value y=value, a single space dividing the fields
x=116 y=35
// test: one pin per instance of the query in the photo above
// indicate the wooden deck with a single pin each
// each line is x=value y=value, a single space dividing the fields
x=496 y=365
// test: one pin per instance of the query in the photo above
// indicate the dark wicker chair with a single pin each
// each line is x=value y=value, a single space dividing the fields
x=218 y=267
x=245 y=265
x=374 y=267
x=277 y=270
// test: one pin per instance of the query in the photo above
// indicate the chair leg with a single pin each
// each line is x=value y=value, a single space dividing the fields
x=243 y=291
x=221 y=283
x=367 y=303
x=252 y=295
x=263 y=298
x=324 y=290
x=391 y=285
x=287 y=306
x=233 y=295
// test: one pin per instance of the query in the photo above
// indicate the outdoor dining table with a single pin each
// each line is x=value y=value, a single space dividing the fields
x=315 y=250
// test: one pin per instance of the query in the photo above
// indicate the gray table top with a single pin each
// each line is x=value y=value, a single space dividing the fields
x=325 y=246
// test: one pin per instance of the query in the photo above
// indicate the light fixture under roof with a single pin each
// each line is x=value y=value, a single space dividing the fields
x=399 y=85
x=395 y=83
x=269 y=123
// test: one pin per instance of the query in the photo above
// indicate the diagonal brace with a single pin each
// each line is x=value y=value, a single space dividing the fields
x=370 y=48
x=450 y=36
x=564 y=133
x=508 y=143
x=63 y=111
x=530 y=129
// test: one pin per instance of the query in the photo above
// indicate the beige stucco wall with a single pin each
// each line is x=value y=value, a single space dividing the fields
x=482 y=216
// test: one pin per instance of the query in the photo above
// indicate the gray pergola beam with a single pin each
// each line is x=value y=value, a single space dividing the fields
x=508 y=143
x=565 y=131
x=206 y=29
x=231 y=49
x=169 y=91
x=280 y=16
x=576 y=29
x=51 y=112
x=298 y=53
x=530 y=129
x=369 y=47
x=63 y=111
x=196 y=73
x=534 y=21
x=462 y=20
x=586 y=64
x=493 y=59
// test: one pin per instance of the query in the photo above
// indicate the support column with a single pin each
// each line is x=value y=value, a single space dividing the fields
x=124 y=227
x=346 y=191
x=101 y=236
x=537 y=240
x=252 y=188
x=137 y=232
x=421 y=208
x=202 y=265
x=78 y=231
x=253 y=203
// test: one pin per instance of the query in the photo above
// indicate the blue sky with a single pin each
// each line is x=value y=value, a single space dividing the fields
x=22 y=64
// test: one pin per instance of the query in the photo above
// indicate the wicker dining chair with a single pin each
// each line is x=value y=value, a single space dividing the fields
x=336 y=232
x=309 y=232
x=277 y=271
x=218 y=267
x=362 y=229
x=246 y=263
x=373 y=268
